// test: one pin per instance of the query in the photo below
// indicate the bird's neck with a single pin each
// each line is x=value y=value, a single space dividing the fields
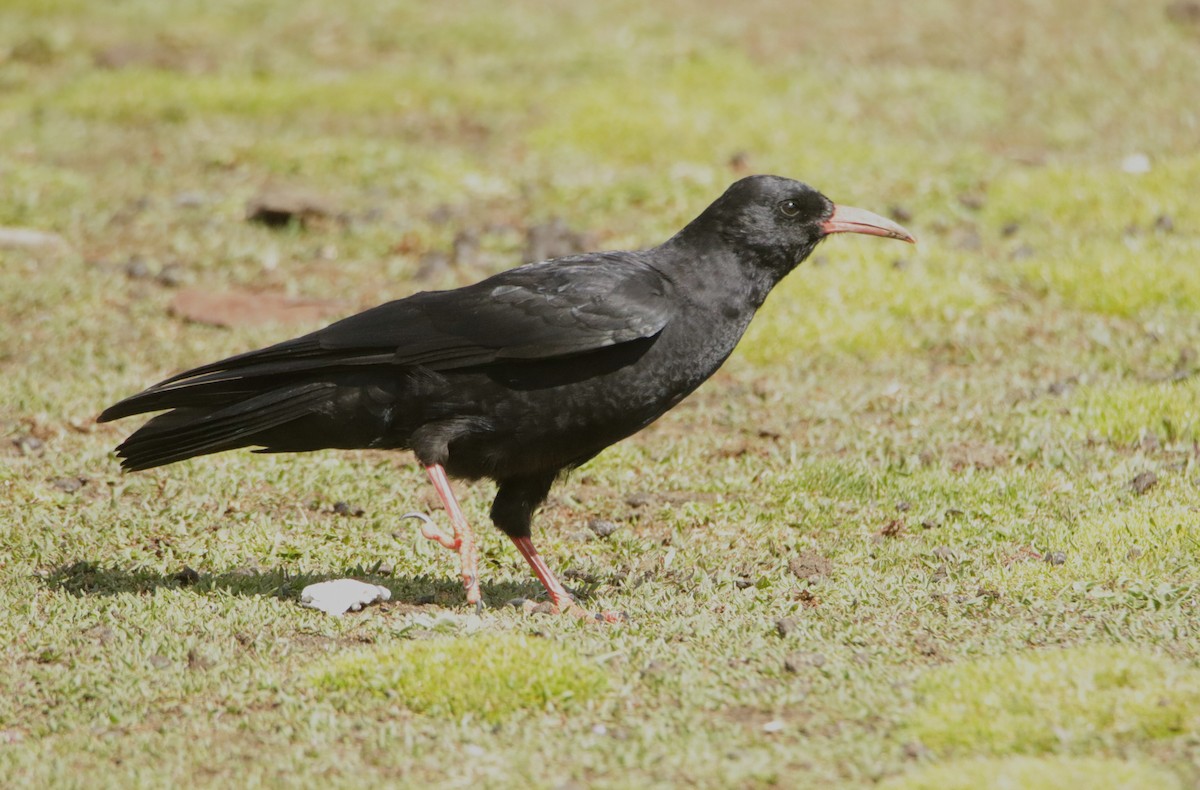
x=716 y=270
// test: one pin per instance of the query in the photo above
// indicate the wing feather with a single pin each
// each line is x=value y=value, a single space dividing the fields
x=540 y=311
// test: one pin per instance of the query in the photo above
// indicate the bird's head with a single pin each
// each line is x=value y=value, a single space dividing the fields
x=782 y=220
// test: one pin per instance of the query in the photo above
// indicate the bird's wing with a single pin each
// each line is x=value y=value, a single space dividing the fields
x=539 y=311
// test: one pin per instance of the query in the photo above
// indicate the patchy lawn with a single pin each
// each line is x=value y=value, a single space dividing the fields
x=934 y=525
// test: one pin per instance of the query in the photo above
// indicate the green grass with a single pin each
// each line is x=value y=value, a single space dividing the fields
x=1030 y=773
x=1058 y=700
x=1128 y=411
x=904 y=438
x=489 y=678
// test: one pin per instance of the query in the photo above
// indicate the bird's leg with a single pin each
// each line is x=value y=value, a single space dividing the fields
x=559 y=597
x=464 y=539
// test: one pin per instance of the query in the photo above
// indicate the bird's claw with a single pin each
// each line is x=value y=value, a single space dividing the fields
x=430 y=531
x=471 y=585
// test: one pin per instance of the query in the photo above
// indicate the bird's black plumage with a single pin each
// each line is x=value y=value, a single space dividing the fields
x=515 y=378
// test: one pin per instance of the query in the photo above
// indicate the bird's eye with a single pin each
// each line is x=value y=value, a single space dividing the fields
x=790 y=208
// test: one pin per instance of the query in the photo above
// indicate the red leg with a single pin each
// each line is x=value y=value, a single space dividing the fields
x=562 y=600
x=464 y=539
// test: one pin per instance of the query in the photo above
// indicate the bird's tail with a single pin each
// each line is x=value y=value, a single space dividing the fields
x=193 y=428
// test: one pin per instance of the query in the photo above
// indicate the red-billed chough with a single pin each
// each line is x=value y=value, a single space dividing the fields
x=516 y=378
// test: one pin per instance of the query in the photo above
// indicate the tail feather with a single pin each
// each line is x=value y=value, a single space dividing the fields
x=191 y=430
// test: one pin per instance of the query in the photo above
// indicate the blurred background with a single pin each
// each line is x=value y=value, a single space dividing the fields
x=184 y=154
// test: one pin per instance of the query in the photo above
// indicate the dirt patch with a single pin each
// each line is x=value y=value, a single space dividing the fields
x=810 y=566
x=247 y=308
x=974 y=455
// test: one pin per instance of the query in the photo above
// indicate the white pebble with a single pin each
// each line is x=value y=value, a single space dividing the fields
x=1136 y=163
x=342 y=595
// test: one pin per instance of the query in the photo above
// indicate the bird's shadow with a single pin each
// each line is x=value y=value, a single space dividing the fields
x=84 y=578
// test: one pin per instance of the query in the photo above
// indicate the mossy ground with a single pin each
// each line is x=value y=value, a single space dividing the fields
x=922 y=456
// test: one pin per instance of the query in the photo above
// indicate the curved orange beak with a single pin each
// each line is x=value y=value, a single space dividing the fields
x=847 y=219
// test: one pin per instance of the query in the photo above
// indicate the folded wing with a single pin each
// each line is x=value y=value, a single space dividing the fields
x=539 y=311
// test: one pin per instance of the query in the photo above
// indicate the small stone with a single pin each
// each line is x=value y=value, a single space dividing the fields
x=159 y=661
x=1144 y=482
x=29 y=445
x=972 y=200
x=1055 y=557
x=773 y=726
x=172 y=275
x=1164 y=223
x=602 y=527
x=785 y=625
x=1062 y=386
x=798 y=661
x=900 y=213
x=101 y=633
x=904 y=506
x=1010 y=229
x=599 y=729
x=198 y=662
x=338 y=596
x=138 y=268
x=278 y=205
x=187 y=576
x=638 y=499
x=1021 y=252
x=68 y=485
x=346 y=509
x=1136 y=164
x=545 y=607
x=385 y=569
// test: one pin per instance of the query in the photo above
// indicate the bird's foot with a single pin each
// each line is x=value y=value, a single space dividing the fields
x=431 y=531
x=467 y=553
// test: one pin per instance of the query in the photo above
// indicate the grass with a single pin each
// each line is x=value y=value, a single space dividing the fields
x=1060 y=700
x=1034 y=774
x=488 y=677
x=920 y=459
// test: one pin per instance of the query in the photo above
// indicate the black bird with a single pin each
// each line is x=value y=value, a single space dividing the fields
x=516 y=378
